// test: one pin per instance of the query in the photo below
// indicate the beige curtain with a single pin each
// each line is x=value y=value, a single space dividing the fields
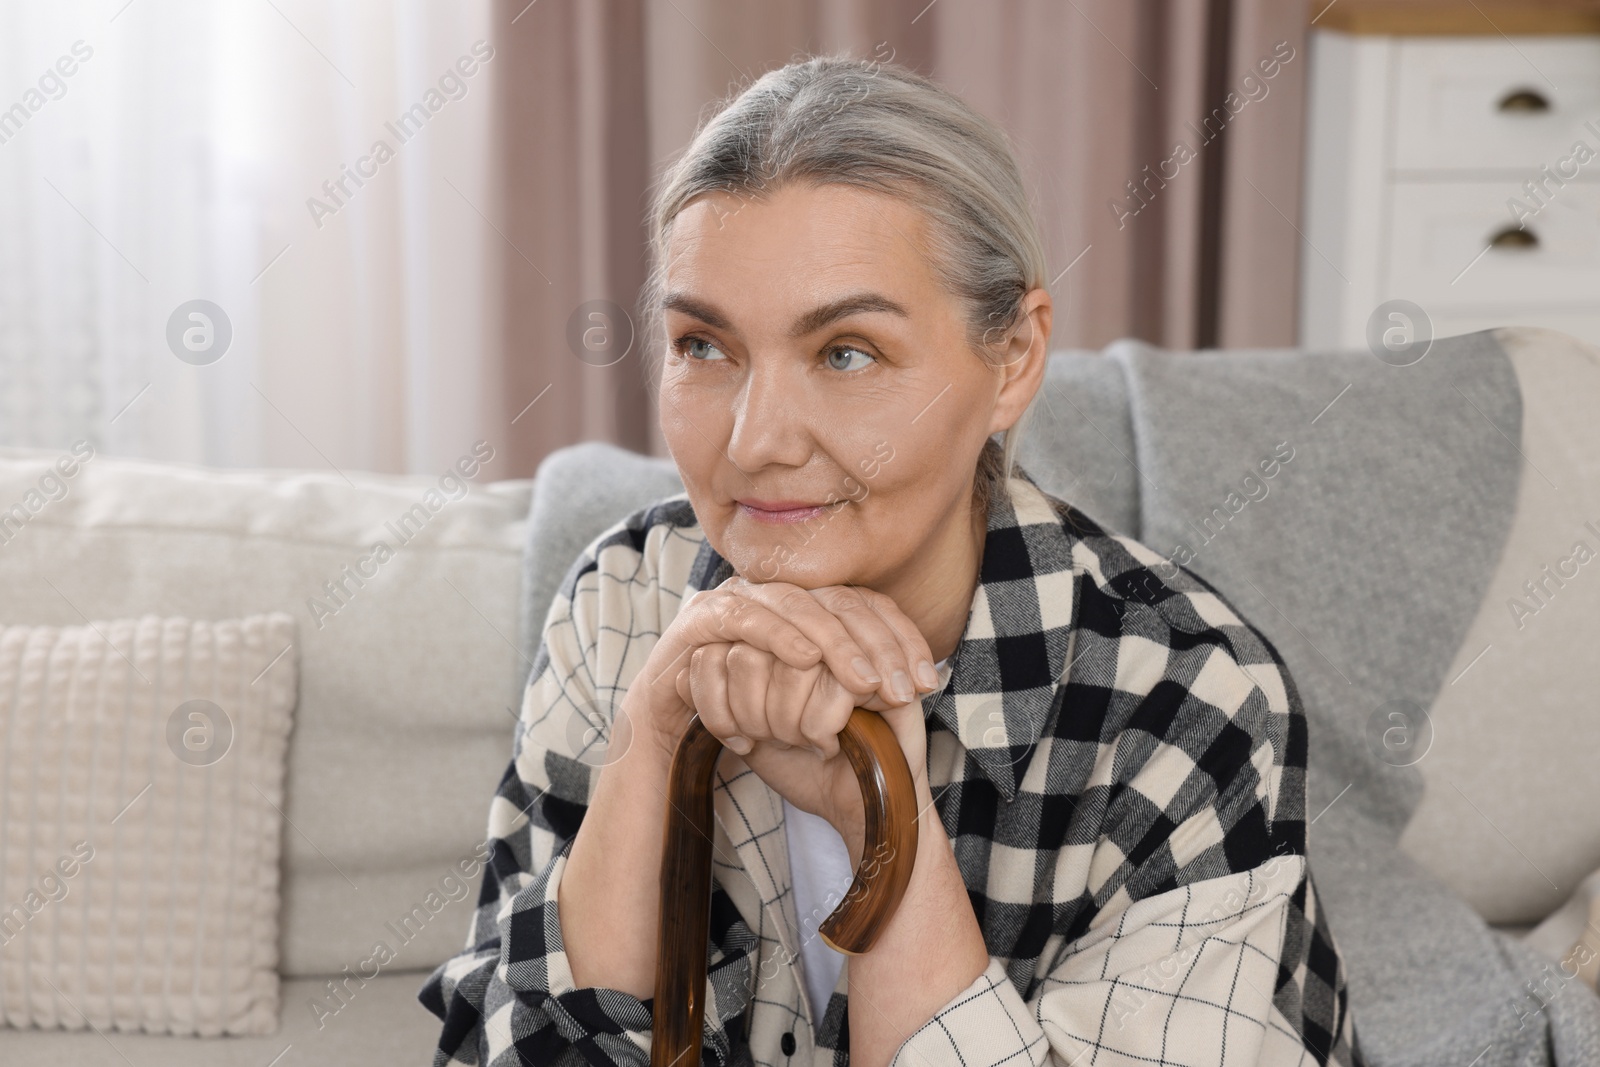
x=1189 y=247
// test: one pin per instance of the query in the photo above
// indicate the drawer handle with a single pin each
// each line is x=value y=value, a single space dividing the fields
x=1514 y=237
x=1529 y=100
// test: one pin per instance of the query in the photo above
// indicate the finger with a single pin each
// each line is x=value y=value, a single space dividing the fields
x=708 y=681
x=884 y=606
x=876 y=617
x=788 y=696
x=685 y=693
x=722 y=616
x=923 y=672
x=827 y=710
x=749 y=676
x=900 y=655
x=848 y=657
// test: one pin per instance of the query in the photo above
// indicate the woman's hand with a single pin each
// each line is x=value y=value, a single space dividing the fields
x=785 y=720
x=865 y=642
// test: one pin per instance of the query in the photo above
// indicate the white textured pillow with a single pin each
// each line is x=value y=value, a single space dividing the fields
x=141 y=786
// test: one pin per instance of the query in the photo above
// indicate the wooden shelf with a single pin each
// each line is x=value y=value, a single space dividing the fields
x=1458 y=17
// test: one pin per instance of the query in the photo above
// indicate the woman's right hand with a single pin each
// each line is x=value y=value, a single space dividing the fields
x=871 y=658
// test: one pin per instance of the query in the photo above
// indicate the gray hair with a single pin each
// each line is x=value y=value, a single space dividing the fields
x=878 y=126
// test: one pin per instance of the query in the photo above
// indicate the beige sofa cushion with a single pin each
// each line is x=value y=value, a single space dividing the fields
x=1509 y=818
x=141 y=784
x=378 y=1022
x=403 y=724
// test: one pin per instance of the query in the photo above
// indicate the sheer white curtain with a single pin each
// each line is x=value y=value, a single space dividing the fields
x=184 y=158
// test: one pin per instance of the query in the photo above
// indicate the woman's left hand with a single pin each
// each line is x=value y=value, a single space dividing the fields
x=789 y=719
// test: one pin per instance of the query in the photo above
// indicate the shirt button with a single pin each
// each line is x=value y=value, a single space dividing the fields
x=787 y=1044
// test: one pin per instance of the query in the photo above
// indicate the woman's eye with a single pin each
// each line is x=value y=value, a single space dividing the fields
x=847 y=353
x=701 y=354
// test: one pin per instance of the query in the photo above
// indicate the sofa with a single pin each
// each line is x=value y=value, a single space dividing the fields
x=1453 y=873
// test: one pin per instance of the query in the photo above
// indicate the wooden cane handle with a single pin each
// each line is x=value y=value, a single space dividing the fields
x=890 y=849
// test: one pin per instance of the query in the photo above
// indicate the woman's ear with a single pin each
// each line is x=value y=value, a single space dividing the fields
x=1021 y=359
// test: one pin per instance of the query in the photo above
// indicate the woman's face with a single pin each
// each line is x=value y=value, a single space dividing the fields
x=817 y=393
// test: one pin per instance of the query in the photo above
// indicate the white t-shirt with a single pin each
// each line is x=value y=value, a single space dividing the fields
x=819 y=862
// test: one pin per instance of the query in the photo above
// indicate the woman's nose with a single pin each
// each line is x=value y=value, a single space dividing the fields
x=769 y=424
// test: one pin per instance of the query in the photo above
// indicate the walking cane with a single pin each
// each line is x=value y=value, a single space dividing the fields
x=890 y=849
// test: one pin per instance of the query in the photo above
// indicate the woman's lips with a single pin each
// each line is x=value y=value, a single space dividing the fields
x=780 y=512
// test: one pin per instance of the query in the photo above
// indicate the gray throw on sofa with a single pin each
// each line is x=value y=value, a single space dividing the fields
x=1363 y=558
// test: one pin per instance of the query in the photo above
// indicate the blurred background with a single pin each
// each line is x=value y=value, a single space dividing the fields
x=363 y=235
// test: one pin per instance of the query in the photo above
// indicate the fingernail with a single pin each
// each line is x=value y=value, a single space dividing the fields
x=863 y=668
x=901 y=685
x=738 y=744
x=820 y=754
x=806 y=647
x=928 y=676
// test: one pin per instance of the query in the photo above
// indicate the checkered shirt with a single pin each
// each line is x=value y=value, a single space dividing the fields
x=1118 y=760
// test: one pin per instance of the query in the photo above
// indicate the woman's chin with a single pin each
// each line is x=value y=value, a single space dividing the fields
x=773 y=559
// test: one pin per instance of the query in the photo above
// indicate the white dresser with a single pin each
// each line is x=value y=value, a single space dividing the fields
x=1458 y=173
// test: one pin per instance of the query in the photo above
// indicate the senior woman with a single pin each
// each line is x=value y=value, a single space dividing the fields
x=1110 y=765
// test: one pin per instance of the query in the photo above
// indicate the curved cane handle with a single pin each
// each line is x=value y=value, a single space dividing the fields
x=890 y=849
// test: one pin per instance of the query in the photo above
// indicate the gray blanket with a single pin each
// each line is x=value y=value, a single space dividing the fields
x=1363 y=558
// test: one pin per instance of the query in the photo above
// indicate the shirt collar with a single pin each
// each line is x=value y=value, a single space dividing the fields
x=1000 y=682
x=1013 y=652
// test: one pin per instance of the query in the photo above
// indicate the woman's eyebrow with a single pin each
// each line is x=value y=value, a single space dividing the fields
x=809 y=322
x=850 y=304
x=699 y=309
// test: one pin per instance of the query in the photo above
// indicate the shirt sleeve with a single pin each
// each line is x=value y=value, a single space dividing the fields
x=1186 y=976
x=1206 y=943
x=508 y=999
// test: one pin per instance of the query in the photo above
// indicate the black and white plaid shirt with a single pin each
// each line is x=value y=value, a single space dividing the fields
x=1119 y=762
